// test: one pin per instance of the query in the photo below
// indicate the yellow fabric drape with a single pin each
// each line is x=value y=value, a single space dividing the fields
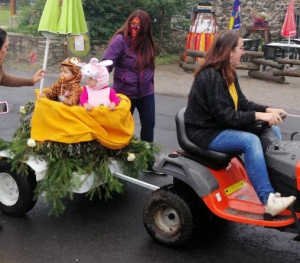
x=234 y=95
x=54 y=121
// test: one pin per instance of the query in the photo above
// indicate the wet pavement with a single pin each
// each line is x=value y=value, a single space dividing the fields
x=112 y=231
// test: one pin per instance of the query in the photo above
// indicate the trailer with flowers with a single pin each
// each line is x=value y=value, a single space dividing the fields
x=31 y=166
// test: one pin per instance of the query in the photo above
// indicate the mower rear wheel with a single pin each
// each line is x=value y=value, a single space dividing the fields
x=168 y=217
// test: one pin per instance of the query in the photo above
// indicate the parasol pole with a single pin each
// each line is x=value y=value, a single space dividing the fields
x=45 y=61
x=289 y=41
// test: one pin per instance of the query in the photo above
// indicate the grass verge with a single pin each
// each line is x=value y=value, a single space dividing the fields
x=4 y=18
x=160 y=60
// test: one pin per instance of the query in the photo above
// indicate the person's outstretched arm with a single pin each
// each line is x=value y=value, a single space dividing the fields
x=13 y=81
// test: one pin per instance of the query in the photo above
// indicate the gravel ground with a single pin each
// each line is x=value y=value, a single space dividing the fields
x=172 y=80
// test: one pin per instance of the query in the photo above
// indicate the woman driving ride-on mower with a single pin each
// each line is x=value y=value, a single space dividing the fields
x=218 y=114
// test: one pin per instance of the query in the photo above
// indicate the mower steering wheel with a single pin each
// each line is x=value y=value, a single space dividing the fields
x=260 y=122
x=258 y=126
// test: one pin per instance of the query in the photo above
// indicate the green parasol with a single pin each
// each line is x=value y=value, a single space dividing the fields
x=61 y=17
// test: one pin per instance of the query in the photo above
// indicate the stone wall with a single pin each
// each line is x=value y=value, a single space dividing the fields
x=28 y=51
x=276 y=9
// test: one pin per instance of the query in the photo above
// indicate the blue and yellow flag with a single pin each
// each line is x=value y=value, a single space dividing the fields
x=235 y=19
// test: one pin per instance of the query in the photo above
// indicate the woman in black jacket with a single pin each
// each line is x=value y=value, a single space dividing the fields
x=218 y=113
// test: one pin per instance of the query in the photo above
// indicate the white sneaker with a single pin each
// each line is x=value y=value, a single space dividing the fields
x=277 y=204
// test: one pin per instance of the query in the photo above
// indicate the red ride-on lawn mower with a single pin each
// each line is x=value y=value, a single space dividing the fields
x=210 y=187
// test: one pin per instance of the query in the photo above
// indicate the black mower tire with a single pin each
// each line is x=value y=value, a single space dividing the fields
x=168 y=216
x=16 y=191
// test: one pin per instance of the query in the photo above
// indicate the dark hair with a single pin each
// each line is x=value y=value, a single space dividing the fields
x=218 y=56
x=143 y=43
x=3 y=36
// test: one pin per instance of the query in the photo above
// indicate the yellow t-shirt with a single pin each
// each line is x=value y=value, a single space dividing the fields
x=234 y=95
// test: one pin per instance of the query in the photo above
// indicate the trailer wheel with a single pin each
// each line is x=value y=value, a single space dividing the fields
x=16 y=191
x=168 y=217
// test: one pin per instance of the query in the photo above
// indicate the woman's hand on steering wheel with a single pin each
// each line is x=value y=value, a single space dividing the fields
x=272 y=117
x=281 y=112
x=278 y=111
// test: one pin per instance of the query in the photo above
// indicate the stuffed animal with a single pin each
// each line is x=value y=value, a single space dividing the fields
x=96 y=70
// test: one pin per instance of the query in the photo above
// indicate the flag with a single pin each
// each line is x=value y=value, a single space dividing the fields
x=235 y=17
x=289 y=24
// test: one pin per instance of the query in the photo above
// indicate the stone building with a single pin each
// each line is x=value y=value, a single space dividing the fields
x=276 y=9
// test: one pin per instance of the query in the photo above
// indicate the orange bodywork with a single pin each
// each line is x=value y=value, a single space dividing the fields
x=237 y=201
x=298 y=176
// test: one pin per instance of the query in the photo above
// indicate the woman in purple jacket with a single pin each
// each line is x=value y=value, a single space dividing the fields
x=133 y=54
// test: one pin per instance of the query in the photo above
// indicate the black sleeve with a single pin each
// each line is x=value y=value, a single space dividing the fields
x=220 y=103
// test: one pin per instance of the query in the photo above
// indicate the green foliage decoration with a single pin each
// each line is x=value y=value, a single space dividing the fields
x=67 y=162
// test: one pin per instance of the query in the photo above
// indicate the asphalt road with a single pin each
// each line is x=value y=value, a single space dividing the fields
x=112 y=231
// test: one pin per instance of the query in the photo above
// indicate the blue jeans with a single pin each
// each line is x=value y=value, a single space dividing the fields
x=146 y=110
x=277 y=132
x=231 y=141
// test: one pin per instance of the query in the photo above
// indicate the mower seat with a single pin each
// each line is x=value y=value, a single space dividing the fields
x=209 y=158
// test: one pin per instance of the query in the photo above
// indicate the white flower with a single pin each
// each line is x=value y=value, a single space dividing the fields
x=131 y=157
x=22 y=109
x=265 y=15
x=262 y=15
x=31 y=143
x=147 y=145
